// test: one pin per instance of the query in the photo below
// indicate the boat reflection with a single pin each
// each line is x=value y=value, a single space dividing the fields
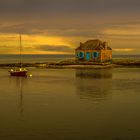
x=18 y=83
x=94 y=85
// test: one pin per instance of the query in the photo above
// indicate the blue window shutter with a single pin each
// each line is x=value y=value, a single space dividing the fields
x=81 y=54
x=77 y=55
x=95 y=54
x=87 y=56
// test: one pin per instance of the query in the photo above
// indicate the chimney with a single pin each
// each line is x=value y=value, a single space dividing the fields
x=105 y=44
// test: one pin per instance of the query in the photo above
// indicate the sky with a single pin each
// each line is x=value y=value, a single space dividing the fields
x=58 y=26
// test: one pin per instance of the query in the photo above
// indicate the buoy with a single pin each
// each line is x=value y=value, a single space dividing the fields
x=30 y=75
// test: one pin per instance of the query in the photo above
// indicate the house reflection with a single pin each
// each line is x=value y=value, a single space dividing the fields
x=94 y=74
x=94 y=85
x=18 y=84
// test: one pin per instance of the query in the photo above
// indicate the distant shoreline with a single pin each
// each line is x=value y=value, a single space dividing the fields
x=33 y=60
x=77 y=65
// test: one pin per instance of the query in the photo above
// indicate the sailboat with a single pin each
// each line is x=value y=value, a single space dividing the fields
x=19 y=71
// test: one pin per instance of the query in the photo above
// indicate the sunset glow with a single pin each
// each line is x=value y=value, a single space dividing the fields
x=58 y=27
x=31 y=43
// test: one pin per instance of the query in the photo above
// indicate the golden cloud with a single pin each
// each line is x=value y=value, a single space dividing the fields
x=124 y=50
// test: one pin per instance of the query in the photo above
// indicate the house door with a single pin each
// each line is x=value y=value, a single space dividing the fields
x=87 y=56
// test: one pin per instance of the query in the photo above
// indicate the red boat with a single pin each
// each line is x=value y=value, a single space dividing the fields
x=18 y=72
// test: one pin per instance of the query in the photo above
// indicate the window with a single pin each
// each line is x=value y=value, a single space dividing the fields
x=80 y=55
x=95 y=54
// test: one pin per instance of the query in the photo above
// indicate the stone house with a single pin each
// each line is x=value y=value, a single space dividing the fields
x=93 y=50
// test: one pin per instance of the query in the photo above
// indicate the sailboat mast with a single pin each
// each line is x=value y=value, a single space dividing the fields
x=20 y=49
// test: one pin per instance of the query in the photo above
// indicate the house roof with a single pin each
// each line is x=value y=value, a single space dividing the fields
x=93 y=45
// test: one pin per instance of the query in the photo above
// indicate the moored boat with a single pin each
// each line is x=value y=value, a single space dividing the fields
x=19 y=71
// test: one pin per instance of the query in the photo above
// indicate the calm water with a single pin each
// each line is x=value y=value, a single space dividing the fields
x=61 y=104
x=34 y=58
x=52 y=58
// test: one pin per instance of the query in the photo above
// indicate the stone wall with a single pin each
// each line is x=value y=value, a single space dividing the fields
x=106 y=55
x=98 y=59
x=103 y=55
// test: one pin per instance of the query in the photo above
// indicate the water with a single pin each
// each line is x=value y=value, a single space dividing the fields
x=28 y=58
x=69 y=104
x=53 y=58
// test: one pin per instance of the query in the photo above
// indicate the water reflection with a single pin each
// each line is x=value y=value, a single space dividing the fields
x=18 y=84
x=94 y=74
x=93 y=85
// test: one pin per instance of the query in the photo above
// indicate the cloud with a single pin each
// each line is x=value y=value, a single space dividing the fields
x=47 y=48
x=123 y=30
x=67 y=5
x=53 y=24
x=123 y=50
x=85 y=10
x=4 y=49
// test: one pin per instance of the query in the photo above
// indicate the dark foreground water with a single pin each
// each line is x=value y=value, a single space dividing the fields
x=61 y=104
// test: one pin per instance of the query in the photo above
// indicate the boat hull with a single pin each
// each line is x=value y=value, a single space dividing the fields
x=19 y=73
